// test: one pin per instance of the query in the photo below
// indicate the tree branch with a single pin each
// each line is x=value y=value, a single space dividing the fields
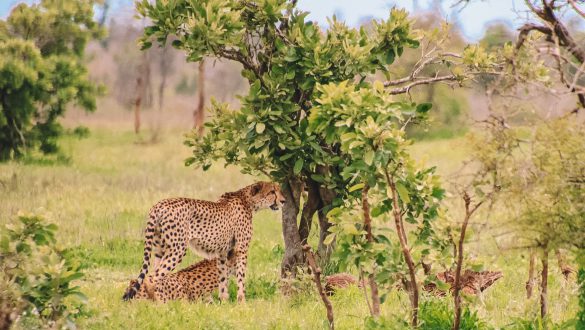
x=422 y=81
x=317 y=278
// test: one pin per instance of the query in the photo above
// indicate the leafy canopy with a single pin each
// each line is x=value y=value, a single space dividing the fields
x=285 y=58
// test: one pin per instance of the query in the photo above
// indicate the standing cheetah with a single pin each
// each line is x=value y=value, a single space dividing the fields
x=208 y=228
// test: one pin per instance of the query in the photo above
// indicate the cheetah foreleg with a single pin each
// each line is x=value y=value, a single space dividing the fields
x=223 y=278
x=241 y=263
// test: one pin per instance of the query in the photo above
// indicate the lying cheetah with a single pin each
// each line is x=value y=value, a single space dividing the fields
x=192 y=283
x=208 y=228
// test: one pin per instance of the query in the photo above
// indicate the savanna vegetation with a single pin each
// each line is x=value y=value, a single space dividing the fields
x=420 y=164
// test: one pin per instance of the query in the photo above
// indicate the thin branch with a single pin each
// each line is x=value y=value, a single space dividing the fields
x=317 y=278
x=577 y=10
x=425 y=81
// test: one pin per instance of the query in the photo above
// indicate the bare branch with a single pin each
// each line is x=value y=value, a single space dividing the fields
x=424 y=81
x=317 y=278
x=577 y=10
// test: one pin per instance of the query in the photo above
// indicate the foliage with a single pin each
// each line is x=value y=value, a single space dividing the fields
x=540 y=173
x=374 y=157
x=369 y=126
x=38 y=273
x=41 y=64
x=292 y=56
x=436 y=314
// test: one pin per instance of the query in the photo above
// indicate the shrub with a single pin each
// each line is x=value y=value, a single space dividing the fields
x=436 y=314
x=36 y=276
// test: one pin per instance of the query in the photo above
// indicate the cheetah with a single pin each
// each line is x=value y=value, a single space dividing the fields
x=208 y=228
x=192 y=283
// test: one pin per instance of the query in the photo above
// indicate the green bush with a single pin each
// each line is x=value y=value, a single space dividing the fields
x=36 y=276
x=42 y=72
x=436 y=314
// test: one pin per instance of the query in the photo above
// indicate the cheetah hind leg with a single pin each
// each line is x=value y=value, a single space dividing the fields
x=169 y=261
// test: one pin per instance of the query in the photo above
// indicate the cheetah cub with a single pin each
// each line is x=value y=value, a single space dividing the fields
x=193 y=283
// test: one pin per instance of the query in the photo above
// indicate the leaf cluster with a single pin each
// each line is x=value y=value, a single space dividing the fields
x=39 y=274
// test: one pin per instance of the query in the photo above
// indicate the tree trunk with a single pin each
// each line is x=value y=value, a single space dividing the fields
x=411 y=284
x=199 y=113
x=544 y=284
x=327 y=197
x=370 y=239
x=531 y=278
x=293 y=253
x=457 y=289
x=137 y=103
x=312 y=204
x=164 y=64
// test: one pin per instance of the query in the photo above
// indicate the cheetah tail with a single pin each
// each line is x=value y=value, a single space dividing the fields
x=149 y=236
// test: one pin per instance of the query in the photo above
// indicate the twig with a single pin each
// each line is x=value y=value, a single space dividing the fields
x=317 y=278
x=424 y=81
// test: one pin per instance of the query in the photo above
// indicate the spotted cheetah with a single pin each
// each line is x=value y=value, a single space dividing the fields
x=208 y=228
x=192 y=283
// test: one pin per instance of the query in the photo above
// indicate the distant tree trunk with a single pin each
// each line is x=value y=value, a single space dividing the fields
x=544 y=284
x=164 y=64
x=531 y=278
x=293 y=253
x=102 y=21
x=137 y=103
x=142 y=88
x=199 y=113
x=369 y=237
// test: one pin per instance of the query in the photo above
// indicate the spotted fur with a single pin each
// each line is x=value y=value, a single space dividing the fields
x=209 y=228
x=195 y=282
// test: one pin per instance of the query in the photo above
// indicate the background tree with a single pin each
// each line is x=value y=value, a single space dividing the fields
x=42 y=67
x=534 y=152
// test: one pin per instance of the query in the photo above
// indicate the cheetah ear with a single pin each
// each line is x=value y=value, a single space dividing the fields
x=256 y=188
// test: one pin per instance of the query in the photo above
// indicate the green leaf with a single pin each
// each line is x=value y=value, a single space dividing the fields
x=260 y=127
x=356 y=187
x=402 y=192
x=298 y=166
x=424 y=107
x=369 y=157
x=477 y=267
x=329 y=239
x=350 y=229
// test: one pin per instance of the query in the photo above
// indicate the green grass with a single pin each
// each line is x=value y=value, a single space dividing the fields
x=100 y=195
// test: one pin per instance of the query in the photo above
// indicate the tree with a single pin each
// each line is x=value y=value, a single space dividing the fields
x=538 y=160
x=42 y=72
x=374 y=157
x=287 y=61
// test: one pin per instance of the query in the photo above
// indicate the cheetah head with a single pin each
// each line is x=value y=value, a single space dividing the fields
x=266 y=195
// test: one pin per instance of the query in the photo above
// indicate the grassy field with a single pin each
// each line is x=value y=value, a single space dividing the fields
x=101 y=196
